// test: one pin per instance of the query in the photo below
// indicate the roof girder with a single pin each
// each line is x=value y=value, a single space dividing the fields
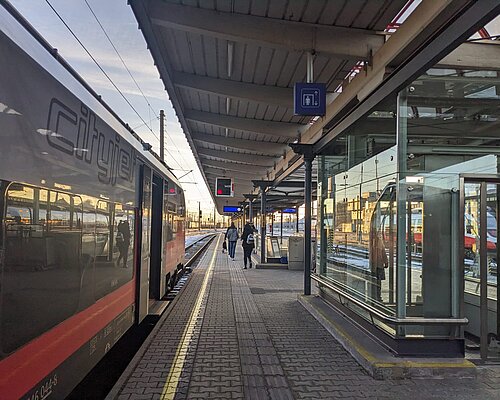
x=477 y=55
x=272 y=149
x=233 y=166
x=272 y=128
x=238 y=157
x=273 y=95
x=229 y=174
x=348 y=43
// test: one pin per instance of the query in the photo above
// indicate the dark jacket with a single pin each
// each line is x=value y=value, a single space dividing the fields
x=247 y=230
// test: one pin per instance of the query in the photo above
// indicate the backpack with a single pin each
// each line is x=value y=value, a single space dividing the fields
x=250 y=239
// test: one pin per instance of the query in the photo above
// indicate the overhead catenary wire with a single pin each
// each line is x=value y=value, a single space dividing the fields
x=132 y=77
x=119 y=56
x=150 y=108
x=75 y=36
x=138 y=87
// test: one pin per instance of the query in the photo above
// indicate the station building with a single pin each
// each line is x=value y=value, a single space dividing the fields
x=399 y=178
x=408 y=209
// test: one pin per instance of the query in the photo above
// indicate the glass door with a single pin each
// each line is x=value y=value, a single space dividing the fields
x=481 y=255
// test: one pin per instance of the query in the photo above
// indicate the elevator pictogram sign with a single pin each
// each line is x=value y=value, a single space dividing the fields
x=310 y=99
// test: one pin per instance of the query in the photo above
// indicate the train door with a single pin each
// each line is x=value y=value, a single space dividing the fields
x=155 y=270
x=480 y=222
x=145 y=194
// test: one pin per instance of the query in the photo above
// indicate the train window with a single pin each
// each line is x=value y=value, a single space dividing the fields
x=168 y=229
x=41 y=268
x=114 y=246
x=102 y=229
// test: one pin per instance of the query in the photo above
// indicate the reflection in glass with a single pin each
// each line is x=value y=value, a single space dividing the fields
x=41 y=269
x=357 y=213
x=61 y=252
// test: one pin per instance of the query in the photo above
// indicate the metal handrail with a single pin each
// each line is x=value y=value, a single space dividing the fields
x=476 y=280
x=388 y=319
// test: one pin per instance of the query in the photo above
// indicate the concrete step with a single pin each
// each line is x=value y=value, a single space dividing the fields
x=376 y=359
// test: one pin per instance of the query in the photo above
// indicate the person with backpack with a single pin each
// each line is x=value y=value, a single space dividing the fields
x=232 y=237
x=248 y=244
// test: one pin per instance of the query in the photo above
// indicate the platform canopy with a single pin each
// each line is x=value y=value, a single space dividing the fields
x=229 y=68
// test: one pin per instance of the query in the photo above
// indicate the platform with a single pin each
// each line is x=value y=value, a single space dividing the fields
x=242 y=334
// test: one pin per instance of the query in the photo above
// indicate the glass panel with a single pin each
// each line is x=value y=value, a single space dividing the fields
x=493 y=328
x=451 y=122
x=357 y=210
x=482 y=313
x=472 y=255
x=114 y=246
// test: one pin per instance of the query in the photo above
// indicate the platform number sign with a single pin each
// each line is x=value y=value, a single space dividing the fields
x=310 y=99
x=224 y=187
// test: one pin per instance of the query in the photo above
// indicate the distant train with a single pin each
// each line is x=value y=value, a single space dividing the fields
x=92 y=223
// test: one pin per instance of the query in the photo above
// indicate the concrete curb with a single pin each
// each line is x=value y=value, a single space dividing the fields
x=377 y=360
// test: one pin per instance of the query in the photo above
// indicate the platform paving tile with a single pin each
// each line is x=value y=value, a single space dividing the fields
x=253 y=340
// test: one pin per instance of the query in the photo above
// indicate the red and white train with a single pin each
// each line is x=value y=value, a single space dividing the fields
x=91 y=222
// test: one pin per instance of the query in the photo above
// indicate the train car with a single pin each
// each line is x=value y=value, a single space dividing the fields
x=92 y=222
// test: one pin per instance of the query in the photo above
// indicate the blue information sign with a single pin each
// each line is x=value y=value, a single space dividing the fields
x=310 y=99
x=231 y=209
x=289 y=210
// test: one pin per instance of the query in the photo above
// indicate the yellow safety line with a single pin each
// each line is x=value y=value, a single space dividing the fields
x=174 y=374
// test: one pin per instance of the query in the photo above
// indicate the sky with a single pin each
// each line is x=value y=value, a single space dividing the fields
x=119 y=22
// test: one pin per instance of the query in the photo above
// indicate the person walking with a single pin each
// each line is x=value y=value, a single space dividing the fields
x=232 y=237
x=248 y=244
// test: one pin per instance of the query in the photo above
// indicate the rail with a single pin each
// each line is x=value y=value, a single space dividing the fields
x=386 y=318
x=200 y=250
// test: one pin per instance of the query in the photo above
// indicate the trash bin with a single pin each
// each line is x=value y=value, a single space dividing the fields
x=296 y=252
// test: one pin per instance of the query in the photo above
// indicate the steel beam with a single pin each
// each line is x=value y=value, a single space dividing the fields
x=247 y=175
x=263 y=161
x=273 y=95
x=345 y=43
x=273 y=128
x=474 y=55
x=233 y=166
x=272 y=149
x=238 y=182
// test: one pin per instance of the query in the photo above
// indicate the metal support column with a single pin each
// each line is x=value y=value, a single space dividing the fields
x=307 y=226
x=483 y=273
x=243 y=215
x=297 y=219
x=199 y=216
x=250 y=197
x=401 y=211
x=162 y=135
x=306 y=150
x=263 y=225
x=310 y=67
x=281 y=227
x=262 y=185
x=250 y=211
